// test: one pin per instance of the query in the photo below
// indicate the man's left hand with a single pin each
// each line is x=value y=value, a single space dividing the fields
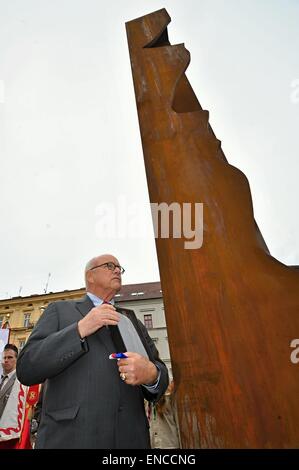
x=137 y=369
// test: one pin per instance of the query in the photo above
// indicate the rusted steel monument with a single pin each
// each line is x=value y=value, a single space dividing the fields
x=232 y=310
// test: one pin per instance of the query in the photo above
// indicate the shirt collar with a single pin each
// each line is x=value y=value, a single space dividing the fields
x=10 y=374
x=97 y=300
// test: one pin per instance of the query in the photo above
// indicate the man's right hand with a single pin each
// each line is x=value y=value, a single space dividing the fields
x=97 y=317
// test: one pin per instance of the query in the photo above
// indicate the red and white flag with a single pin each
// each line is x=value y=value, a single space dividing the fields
x=32 y=398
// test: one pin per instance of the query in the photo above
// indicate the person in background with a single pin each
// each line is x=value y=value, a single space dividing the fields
x=164 y=430
x=8 y=377
x=12 y=399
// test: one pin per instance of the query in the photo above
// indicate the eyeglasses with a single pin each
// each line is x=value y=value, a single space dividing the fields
x=111 y=266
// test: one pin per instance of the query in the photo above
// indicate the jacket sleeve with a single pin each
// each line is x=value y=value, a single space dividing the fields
x=49 y=350
x=155 y=358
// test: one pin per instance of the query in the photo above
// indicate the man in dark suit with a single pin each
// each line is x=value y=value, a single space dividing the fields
x=90 y=401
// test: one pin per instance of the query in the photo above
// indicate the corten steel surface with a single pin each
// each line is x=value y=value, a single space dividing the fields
x=231 y=309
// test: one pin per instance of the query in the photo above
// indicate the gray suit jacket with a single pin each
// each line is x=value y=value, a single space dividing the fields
x=86 y=405
x=5 y=392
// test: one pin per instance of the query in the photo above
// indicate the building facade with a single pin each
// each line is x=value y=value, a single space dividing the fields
x=20 y=314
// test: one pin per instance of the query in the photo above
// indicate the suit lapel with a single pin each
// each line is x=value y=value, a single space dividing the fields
x=8 y=385
x=84 y=305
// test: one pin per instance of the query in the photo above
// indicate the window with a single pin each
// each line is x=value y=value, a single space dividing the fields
x=148 y=321
x=2 y=320
x=26 y=319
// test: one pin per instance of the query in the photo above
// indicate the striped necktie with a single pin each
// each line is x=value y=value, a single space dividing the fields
x=3 y=378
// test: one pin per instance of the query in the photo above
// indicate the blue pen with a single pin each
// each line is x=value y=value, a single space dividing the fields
x=117 y=356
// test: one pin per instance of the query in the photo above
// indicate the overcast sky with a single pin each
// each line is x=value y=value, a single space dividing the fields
x=69 y=137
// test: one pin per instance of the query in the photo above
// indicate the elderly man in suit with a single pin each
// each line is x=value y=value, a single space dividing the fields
x=91 y=401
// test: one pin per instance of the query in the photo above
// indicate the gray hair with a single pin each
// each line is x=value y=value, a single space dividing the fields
x=88 y=266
